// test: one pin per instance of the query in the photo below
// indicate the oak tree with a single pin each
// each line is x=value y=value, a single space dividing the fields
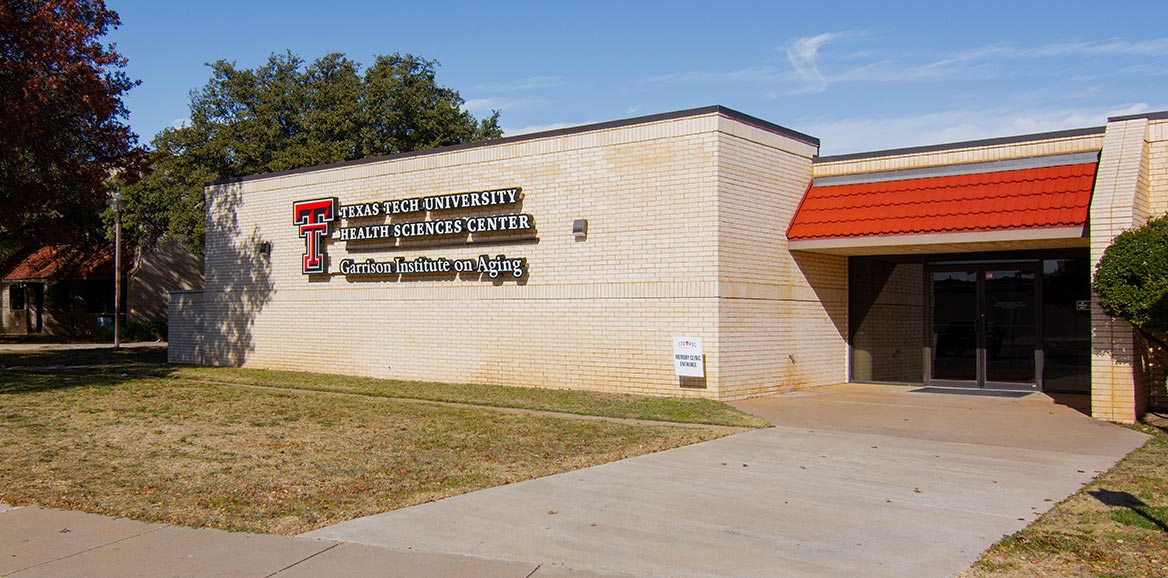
x=286 y=114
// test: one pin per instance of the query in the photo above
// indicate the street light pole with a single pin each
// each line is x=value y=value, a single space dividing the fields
x=116 y=205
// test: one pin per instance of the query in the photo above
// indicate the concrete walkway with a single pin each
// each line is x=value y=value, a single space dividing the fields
x=854 y=480
x=27 y=347
x=44 y=543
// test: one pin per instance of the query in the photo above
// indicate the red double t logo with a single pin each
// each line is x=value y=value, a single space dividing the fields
x=313 y=218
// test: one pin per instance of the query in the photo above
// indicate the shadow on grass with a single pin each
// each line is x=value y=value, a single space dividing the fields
x=101 y=365
x=1141 y=513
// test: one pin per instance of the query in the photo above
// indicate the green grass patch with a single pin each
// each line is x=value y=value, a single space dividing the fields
x=1147 y=517
x=681 y=410
x=103 y=365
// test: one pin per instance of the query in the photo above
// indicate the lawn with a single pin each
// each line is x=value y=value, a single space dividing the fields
x=122 y=433
x=683 y=410
x=1117 y=526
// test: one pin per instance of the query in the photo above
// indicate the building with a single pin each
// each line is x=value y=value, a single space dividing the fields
x=69 y=291
x=696 y=253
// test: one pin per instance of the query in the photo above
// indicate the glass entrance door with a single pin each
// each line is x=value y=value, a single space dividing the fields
x=1009 y=308
x=984 y=327
x=955 y=336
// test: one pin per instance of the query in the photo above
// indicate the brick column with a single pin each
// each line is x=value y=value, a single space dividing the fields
x=1119 y=203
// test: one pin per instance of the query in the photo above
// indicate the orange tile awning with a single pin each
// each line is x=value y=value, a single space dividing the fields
x=1052 y=197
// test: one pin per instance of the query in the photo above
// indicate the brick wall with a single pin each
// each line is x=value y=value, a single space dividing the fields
x=186 y=328
x=783 y=316
x=596 y=314
x=887 y=321
x=1157 y=166
x=1119 y=202
x=895 y=161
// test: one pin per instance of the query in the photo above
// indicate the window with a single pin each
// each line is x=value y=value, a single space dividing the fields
x=16 y=297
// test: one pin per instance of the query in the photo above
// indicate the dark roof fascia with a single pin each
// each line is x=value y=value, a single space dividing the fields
x=1161 y=115
x=963 y=145
x=716 y=109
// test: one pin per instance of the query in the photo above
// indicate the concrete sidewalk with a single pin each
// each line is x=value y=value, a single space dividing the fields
x=27 y=347
x=854 y=480
x=40 y=542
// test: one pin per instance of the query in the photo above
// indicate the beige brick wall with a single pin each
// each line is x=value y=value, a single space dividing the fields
x=1157 y=166
x=783 y=315
x=186 y=326
x=886 y=332
x=597 y=314
x=1119 y=202
x=960 y=156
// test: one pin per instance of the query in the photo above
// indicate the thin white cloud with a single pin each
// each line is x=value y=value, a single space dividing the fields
x=806 y=59
x=758 y=74
x=1155 y=47
x=898 y=71
x=523 y=84
x=487 y=105
x=1137 y=108
x=868 y=134
x=180 y=123
x=803 y=55
x=531 y=128
x=995 y=60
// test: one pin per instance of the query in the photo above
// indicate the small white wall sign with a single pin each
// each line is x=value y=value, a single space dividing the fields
x=688 y=360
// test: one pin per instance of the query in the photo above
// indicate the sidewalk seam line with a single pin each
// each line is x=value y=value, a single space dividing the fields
x=303 y=560
x=98 y=547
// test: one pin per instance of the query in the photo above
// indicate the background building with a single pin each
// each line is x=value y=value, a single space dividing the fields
x=69 y=291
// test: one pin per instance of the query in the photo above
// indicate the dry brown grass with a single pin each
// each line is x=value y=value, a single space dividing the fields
x=171 y=450
x=1115 y=527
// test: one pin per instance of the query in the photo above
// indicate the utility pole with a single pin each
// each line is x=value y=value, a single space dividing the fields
x=117 y=204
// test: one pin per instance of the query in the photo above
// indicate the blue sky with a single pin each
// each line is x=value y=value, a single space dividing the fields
x=860 y=76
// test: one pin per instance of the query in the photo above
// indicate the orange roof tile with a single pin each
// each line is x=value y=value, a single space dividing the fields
x=63 y=263
x=1047 y=197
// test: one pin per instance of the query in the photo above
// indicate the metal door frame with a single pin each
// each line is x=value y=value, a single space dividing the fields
x=980 y=360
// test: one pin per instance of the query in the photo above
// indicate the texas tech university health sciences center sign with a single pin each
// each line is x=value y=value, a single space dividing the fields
x=365 y=226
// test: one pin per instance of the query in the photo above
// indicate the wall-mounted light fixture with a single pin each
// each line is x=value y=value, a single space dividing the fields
x=580 y=229
x=264 y=248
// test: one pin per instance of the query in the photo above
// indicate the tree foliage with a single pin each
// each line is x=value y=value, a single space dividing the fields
x=61 y=119
x=286 y=115
x=1132 y=278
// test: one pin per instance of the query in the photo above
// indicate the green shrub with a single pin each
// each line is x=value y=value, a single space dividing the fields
x=1132 y=277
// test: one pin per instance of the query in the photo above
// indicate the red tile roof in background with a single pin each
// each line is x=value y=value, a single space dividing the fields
x=1048 y=197
x=63 y=263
